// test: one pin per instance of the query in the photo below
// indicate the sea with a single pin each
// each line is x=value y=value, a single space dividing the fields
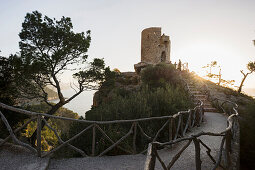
x=81 y=103
x=249 y=91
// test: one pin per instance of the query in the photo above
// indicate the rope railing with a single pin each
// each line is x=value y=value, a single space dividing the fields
x=228 y=149
x=176 y=125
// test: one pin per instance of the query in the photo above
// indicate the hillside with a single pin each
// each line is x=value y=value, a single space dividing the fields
x=156 y=91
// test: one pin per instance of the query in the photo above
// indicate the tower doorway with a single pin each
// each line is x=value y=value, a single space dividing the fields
x=163 y=57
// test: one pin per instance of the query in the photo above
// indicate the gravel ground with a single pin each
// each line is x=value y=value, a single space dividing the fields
x=214 y=122
x=13 y=157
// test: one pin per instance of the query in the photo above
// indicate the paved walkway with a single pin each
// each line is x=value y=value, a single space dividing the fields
x=214 y=122
x=13 y=157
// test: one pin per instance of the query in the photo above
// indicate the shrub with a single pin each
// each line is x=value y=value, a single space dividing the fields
x=160 y=94
x=49 y=139
x=145 y=103
x=160 y=75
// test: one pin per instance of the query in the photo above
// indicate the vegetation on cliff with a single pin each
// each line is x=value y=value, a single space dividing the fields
x=158 y=92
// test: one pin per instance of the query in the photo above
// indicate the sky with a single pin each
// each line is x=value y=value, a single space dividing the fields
x=200 y=31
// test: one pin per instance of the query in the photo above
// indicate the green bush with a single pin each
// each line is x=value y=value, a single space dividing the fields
x=145 y=103
x=161 y=93
x=160 y=75
x=49 y=139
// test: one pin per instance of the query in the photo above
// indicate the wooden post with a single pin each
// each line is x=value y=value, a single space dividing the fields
x=190 y=120
x=201 y=115
x=134 y=137
x=197 y=117
x=193 y=118
x=228 y=148
x=197 y=153
x=173 y=128
x=187 y=124
x=181 y=117
x=178 y=127
x=170 y=127
x=39 y=129
x=151 y=157
x=93 y=140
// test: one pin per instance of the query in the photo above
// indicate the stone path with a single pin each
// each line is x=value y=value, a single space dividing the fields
x=13 y=157
x=214 y=122
x=198 y=95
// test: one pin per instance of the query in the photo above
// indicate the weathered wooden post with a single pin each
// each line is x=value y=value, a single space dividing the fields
x=188 y=122
x=173 y=127
x=193 y=118
x=201 y=114
x=170 y=129
x=134 y=137
x=197 y=119
x=181 y=125
x=228 y=148
x=151 y=157
x=197 y=153
x=39 y=128
x=93 y=140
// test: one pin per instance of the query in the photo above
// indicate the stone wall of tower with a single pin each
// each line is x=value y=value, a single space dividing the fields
x=155 y=48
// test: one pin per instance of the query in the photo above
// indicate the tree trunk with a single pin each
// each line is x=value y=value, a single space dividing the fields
x=50 y=112
x=241 y=85
x=220 y=77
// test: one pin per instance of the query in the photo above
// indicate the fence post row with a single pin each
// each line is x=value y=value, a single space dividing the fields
x=134 y=137
x=93 y=140
x=39 y=128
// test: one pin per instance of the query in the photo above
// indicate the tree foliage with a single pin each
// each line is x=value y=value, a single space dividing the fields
x=48 y=48
x=8 y=95
x=7 y=87
x=49 y=139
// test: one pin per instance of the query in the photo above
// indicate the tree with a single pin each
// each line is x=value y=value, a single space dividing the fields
x=7 y=87
x=48 y=48
x=8 y=95
x=251 y=68
x=210 y=66
x=210 y=74
x=217 y=76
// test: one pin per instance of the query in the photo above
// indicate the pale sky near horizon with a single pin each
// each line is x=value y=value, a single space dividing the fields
x=200 y=30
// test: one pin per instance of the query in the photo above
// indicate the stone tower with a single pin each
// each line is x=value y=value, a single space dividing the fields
x=155 y=48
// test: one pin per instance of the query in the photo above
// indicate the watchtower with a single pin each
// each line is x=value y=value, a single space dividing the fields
x=155 y=48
